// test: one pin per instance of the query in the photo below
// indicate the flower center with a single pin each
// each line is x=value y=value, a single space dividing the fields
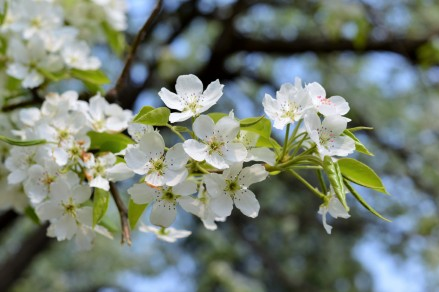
x=70 y=208
x=215 y=146
x=232 y=186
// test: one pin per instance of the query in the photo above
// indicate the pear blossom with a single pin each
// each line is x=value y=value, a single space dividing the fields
x=103 y=169
x=249 y=140
x=12 y=195
x=334 y=207
x=149 y=158
x=327 y=135
x=28 y=58
x=106 y=117
x=291 y=102
x=164 y=200
x=137 y=131
x=169 y=234
x=19 y=162
x=190 y=99
x=76 y=54
x=216 y=145
x=201 y=207
x=231 y=187
x=40 y=179
x=64 y=209
x=335 y=105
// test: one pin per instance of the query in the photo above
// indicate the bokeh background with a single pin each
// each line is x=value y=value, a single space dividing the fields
x=382 y=56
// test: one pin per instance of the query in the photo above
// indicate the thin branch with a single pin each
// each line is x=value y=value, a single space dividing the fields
x=114 y=92
x=123 y=213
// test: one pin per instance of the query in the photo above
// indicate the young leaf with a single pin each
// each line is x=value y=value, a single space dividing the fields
x=5 y=10
x=361 y=174
x=16 y=142
x=259 y=125
x=154 y=117
x=54 y=76
x=143 y=111
x=30 y=213
x=362 y=201
x=217 y=116
x=358 y=145
x=134 y=212
x=335 y=177
x=355 y=129
x=101 y=198
x=96 y=77
x=115 y=39
x=108 y=142
x=268 y=142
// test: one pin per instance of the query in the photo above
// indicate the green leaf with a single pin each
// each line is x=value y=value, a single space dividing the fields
x=95 y=77
x=143 y=111
x=16 y=142
x=358 y=145
x=363 y=202
x=101 y=198
x=268 y=142
x=108 y=142
x=182 y=129
x=134 y=212
x=54 y=76
x=30 y=213
x=259 y=125
x=217 y=116
x=153 y=117
x=361 y=174
x=335 y=177
x=355 y=129
x=5 y=11
x=115 y=39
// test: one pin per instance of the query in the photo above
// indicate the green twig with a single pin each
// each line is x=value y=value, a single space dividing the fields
x=306 y=183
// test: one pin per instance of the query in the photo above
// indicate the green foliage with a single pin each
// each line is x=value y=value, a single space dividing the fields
x=335 y=177
x=101 y=198
x=135 y=211
x=108 y=142
x=30 y=213
x=216 y=116
x=361 y=174
x=151 y=116
x=259 y=125
x=115 y=39
x=94 y=77
x=358 y=145
x=16 y=142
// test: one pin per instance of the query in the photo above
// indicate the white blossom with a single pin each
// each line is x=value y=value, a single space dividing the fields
x=335 y=105
x=169 y=234
x=249 y=140
x=231 y=187
x=149 y=158
x=190 y=99
x=290 y=104
x=216 y=144
x=334 y=208
x=327 y=135
x=164 y=200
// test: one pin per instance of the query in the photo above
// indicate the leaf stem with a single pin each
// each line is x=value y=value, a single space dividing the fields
x=322 y=181
x=306 y=183
x=285 y=146
x=176 y=132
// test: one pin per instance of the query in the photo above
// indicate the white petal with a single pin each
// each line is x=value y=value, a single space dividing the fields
x=136 y=159
x=211 y=95
x=155 y=179
x=84 y=215
x=195 y=149
x=235 y=152
x=217 y=161
x=227 y=127
x=253 y=174
x=143 y=194
x=180 y=117
x=203 y=127
x=337 y=124
x=119 y=172
x=137 y=131
x=176 y=157
x=81 y=194
x=312 y=122
x=17 y=176
x=65 y=227
x=233 y=171
x=215 y=184
x=261 y=154
x=100 y=182
x=323 y=210
x=152 y=145
x=185 y=188
x=163 y=213
x=246 y=201
x=173 y=177
x=336 y=209
x=191 y=205
x=342 y=146
x=171 y=99
x=188 y=85
x=271 y=107
x=222 y=205
x=49 y=210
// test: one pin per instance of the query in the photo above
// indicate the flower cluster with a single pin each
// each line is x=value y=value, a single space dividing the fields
x=46 y=39
x=76 y=149
x=57 y=177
